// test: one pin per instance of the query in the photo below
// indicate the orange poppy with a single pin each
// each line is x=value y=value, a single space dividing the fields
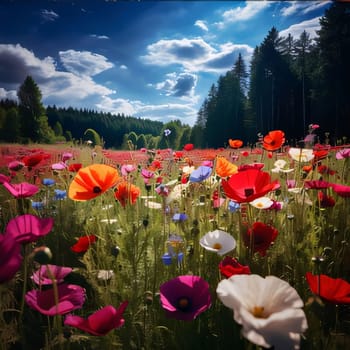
x=126 y=192
x=235 y=143
x=224 y=168
x=92 y=181
x=273 y=140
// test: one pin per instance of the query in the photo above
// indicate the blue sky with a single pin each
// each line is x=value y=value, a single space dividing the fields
x=148 y=59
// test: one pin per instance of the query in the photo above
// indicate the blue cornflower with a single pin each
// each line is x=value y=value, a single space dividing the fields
x=60 y=194
x=48 y=182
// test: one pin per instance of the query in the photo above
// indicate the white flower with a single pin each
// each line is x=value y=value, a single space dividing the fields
x=187 y=170
x=269 y=310
x=105 y=275
x=301 y=154
x=280 y=166
x=153 y=205
x=262 y=203
x=218 y=241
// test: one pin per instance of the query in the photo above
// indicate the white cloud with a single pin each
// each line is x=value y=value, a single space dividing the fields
x=96 y=36
x=11 y=95
x=295 y=30
x=123 y=66
x=244 y=13
x=195 y=55
x=302 y=7
x=179 y=85
x=202 y=24
x=84 y=62
x=49 y=15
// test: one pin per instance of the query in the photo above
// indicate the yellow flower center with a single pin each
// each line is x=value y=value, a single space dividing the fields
x=259 y=205
x=217 y=246
x=258 y=312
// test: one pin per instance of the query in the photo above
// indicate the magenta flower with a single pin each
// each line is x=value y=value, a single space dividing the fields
x=70 y=297
x=341 y=190
x=66 y=156
x=4 y=178
x=21 y=190
x=42 y=275
x=185 y=297
x=343 y=154
x=28 y=228
x=15 y=165
x=10 y=257
x=101 y=322
x=59 y=166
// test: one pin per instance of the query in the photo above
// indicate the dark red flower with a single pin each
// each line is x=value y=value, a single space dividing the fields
x=325 y=201
x=83 y=244
x=34 y=159
x=323 y=169
x=317 y=184
x=245 y=186
x=74 y=167
x=230 y=266
x=332 y=290
x=259 y=237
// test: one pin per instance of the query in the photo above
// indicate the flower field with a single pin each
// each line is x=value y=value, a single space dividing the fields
x=235 y=248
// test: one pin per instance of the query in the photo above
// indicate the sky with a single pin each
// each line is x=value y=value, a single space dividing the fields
x=147 y=59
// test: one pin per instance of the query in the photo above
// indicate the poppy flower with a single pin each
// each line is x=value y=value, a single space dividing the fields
x=324 y=169
x=188 y=147
x=259 y=237
x=235 y=143
x=15 y=165
x=28 y=228
x=21 y=190
x=257 y=166
x=332 y=290
x=74 y=167
x=218 y=241
x=248 y=185
x=70 y=297
x=126 y=192
x=92 y=181
x=224 y=168
x=34 y=159
x=126 y=169
x=100 y=322
x=59 y=166
x=341 y=190
x=10 y=257
x=230 y=266
x=343 y=154
x=4 y=178
x=185 y=297
x=273 y=140
x=200 y=174
x=269 y=310
x=325 y=201
x=262 y=203
x=281 y=166
x=66 y=156
x=83 y=244
x=43 y=277
x=320 y=154
x=301 y=154
x=317 y=184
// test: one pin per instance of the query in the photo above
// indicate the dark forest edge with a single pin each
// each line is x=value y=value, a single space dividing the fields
x=291 y=84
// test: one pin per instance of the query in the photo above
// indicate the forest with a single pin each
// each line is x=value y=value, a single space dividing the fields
x=290 y=83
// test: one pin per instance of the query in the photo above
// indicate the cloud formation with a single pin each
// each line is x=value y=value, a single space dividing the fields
x=49 y=15
x=202 y=24
x=310 y=26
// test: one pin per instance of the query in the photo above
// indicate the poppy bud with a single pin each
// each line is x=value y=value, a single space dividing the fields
x=145 y=222
x=148 y=300
x=166 y=258
x=42 y=255
x=115 y=251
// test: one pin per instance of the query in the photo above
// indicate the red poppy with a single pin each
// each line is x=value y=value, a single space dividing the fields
x=230 y=266
x=323 y=169
x=83 y=244
x=235 y=143
x=317 y=184
x=75 y=167
x=189 y=147
x=178 y=154
x=325 y=201
x=248 y=185
x=341 y=190
x=34 y=159
x=332 y=290
x=259 y=237
x=126 y=192
x=258 y=166
x=307 y=168
x=320 y=154
x=273 y=140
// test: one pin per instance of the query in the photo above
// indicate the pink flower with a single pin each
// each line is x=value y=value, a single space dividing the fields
x=15 y=165
x=127 y=169
x=28 y=228
x=66 y=156
x=341 y=190
x=101 y=322
x=59 y=166
x=70 y=297
x=21 y=190
x=4 y=178
x=342 y=154
x=42 y=275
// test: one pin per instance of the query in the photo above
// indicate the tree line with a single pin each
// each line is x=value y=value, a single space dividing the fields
x=290 y=83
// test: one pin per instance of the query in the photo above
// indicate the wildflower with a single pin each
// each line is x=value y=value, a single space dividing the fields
x=48 y=182
x=100 y=322
x=259 y=237
x=38 y=205
x=28 y=228
x=188 y=147
x=316 y=184
x=105 y=275
x=235 y=143
x=83 y=244
x=281 y=166
x=21 y=190
x=59 y=194
x=42 y=255
x=10 y=257
x=325 y=201
x=70 y=297
x=92 y=181
x=269 y=310
x=230 y=266
x=185 y=297
x=323 y=169
x=75 y=167
x=59 y=166
x=162 y=190
x=341 y=190
x=207 y=163
x=43 y=276
x=4 y=178
x=167 y=132
x=126 y=193
x=273 y=140
x=262 y=203
x=218 y=241
x=200 y=174
x=127 y=169
x=224 y=168
x=332 y=290
x=257 y=166
x=301 y=154
x=34 y=159
x=248 y=185
x=233 y=206
x=343 y=154
x=15 y=165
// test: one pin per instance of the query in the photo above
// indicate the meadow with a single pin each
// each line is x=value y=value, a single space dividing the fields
x=241 y=248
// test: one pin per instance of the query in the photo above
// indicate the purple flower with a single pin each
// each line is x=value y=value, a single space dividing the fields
x=21 y=190
x=201 y=173
x=167 y=132
x=28 y=228
x=10 y=257
x=185 y=297
x=42 y=275
x=70 y=297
